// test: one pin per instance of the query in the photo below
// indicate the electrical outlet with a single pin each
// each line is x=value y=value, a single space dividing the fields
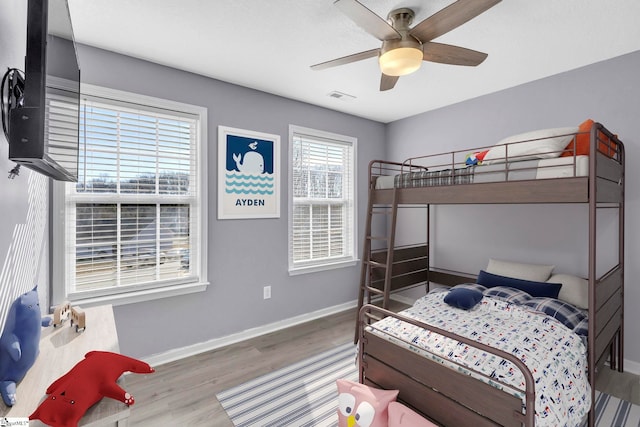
x=266 y=292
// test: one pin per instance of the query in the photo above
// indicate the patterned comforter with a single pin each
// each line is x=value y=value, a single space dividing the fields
x=554 y=354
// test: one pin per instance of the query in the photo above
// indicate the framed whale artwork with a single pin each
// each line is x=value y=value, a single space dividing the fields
x=248 y=174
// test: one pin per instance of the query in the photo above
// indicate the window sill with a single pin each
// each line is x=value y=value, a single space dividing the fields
x=315 y=268
x=140 y=296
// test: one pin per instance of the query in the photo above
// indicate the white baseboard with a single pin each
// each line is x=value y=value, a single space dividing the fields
x=192 y=350
x=180 y=353
x=631 y=367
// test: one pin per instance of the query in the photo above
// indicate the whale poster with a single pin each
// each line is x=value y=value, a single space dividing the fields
x=248 y=174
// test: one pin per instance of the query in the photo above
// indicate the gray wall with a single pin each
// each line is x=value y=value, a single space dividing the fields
x=465 y=237
x=23 y=206
x=244 y=255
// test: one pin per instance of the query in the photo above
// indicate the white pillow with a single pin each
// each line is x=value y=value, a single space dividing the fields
x=518 y=270
x=574 y=290
x=538 y=144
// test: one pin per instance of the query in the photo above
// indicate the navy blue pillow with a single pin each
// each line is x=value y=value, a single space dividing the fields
x=512 y=295
x=464 y=298
x=535 y=289
x=564 y=312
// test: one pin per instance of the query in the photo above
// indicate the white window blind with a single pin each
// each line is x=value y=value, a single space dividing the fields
x=133 y=221
x=322 y=218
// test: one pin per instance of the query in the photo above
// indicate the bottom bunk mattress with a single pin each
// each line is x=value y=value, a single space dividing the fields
x=509 y=320
x=560 y=167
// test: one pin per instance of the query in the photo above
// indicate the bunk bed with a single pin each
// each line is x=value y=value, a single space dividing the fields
x=589 y=169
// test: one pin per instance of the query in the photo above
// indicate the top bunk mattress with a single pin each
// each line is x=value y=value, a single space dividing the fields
x=559 y=167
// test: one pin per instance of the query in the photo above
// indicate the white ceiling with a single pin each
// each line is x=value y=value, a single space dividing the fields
x=269 y=45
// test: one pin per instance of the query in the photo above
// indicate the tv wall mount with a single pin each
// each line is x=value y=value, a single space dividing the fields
x=11 y=97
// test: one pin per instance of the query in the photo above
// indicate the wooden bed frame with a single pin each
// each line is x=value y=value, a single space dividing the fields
x=438 y=392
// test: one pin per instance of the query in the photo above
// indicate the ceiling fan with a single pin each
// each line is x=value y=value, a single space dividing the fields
x=403 y=48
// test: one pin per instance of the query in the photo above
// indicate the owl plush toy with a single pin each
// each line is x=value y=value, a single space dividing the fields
x=363 y=406
x=401 y=416
x=90 y=380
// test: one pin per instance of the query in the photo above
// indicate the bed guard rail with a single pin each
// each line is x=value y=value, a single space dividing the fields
x=503 y=157
x=370 y=313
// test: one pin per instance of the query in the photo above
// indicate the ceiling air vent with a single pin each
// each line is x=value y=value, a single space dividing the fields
x=341 y=96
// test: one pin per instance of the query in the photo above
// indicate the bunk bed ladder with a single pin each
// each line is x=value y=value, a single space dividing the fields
x=369 y=264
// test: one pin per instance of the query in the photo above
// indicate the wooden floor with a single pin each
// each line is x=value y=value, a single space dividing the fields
x=184 y=392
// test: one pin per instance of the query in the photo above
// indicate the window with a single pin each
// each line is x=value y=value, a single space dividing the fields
x=322 y=220
x=134 y=225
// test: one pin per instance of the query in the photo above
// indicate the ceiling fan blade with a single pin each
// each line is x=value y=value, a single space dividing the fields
x=387 y=82
x=454 y=55
x=346 y=59
x=449 y=18
x=369 y=21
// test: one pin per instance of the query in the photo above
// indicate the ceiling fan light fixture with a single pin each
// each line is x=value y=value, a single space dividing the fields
x=400 y=61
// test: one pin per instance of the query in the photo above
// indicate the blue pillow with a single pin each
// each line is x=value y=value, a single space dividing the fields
x=464 y=298
x=512 y=295
x=535 y=289
x=564 y=312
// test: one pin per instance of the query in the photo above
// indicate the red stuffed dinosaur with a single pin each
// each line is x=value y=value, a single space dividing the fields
x=90 y=380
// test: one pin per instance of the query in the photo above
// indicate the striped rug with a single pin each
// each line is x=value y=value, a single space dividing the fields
x=614 y=412
x=305 y=394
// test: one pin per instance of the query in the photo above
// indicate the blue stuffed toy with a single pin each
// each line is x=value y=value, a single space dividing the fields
x=19 y=343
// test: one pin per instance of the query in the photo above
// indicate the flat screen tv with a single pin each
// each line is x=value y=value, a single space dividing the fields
x=44 y=128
